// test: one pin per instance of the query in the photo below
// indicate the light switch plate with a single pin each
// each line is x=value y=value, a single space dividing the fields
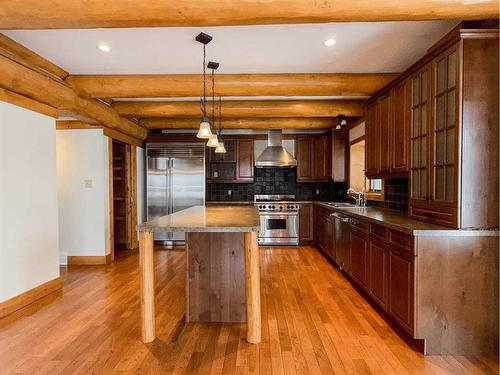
x=87 y=184
x=229 y=192
x=317 y=191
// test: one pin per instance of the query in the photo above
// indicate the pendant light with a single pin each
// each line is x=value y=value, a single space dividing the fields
x=204 y=132
x=213 y=141
x=220 y=149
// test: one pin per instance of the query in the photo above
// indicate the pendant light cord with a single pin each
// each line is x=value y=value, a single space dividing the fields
x=213 y=98
x=204 y=81
x=220 y=117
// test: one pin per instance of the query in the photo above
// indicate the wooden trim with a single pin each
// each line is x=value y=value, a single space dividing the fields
x=189 y=85
x=31 y=57
x=25 y=102
x=131 y=209
x=88 y=260
x=123 y=137
x=111 y=221
x=30 y=296
x=93 y=14
x=354 y=141
x=111 y=133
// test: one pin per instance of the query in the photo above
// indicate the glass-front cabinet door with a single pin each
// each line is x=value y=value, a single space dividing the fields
x=444 y=127
x=419 y=135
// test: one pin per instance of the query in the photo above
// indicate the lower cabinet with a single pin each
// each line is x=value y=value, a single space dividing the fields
x=378 y=272
x=401 y=288
x=359 y=257
x=306 y=222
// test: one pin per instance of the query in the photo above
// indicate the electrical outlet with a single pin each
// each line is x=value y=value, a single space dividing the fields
x=229 y=192
x=216 y=174
x=87 y=184
x=317 y=191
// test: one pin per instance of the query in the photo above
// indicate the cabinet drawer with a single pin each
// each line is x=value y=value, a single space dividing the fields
x=442 y=217
x=359 y=224
x=401 y=240
x=379 y=232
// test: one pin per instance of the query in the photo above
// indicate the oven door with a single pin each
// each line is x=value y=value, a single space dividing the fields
x=279 y=228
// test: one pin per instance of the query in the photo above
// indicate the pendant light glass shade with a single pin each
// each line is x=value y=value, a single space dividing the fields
x=213 y=141
x=204 y=132
x=220 y=149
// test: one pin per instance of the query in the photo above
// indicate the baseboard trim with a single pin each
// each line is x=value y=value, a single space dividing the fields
x=89 y=260
x=30 y=296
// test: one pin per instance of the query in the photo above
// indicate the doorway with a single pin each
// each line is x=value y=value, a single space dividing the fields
x=123 y=200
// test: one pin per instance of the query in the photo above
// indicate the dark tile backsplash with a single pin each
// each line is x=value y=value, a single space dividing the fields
x=277 y=181
x=396 y=195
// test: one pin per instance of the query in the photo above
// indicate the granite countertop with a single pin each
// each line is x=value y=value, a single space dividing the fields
x=218 y=203
x=227 y=218
x=401 y=222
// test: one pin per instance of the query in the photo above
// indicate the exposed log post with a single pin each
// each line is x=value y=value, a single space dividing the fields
x=147 y=283
x=252 y=286
x=25 y=81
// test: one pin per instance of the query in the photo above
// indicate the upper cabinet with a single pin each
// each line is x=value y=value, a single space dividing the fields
x=314 y=156
x=386 y=135
x=236 y=165
x=443 y=115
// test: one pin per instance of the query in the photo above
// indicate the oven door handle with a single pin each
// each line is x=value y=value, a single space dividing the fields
x=279 y=214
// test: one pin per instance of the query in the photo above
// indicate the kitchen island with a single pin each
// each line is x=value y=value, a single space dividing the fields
x=223 y=277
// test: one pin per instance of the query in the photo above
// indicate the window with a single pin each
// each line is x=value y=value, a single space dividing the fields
x=374 y=187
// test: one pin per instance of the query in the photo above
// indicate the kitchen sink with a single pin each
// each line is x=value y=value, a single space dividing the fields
x=341 y=204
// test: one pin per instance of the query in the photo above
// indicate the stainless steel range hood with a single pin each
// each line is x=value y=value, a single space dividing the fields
x=275 y=155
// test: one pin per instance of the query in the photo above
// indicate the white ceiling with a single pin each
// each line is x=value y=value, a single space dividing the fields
x=360 y=48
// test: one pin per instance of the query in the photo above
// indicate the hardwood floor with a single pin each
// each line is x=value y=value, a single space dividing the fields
x=314 y=322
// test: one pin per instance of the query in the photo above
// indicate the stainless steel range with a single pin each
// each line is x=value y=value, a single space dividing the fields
x=279 y=219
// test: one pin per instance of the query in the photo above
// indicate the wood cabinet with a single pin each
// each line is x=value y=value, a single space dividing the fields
x=402 y=288
x=323 y=230
x=304 y=153
x=359 y=257
x=314 y=155
x=384 y=130
x=245 y=162
x=236 y=165
x=400 y=129
x=387 y=135
x=306 y=222
x=372 y=146
x=322 y=158
x=378 y=272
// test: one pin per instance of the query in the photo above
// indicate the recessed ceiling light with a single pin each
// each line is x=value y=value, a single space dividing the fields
x=329 y=42
x=104 y=47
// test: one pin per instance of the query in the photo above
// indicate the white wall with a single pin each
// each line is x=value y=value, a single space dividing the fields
x=28 y=200
x=82 y=157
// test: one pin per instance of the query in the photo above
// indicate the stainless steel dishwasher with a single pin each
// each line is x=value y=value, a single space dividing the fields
x=341 y=241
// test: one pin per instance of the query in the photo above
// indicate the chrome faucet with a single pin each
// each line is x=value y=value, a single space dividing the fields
x=361 y=199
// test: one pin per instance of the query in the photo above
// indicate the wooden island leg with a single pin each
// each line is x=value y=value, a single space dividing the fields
x=147 y=286
x=252 y=286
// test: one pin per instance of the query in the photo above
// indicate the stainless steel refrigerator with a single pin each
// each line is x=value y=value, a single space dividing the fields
x=175 y=180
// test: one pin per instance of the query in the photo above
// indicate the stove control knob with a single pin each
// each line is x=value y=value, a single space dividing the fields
x=273 y=206
x=281 y=207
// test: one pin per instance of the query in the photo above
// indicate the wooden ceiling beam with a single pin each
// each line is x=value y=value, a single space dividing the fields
x=63 y=14
x=22 y=80
x=244 y=123
x=191 y=85
x=251 y=108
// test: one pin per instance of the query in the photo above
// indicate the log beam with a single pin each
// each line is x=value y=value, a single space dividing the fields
x=22 y=80
x=244 y=123
x=269 y=108
x=191 y=85
x=63 y=14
